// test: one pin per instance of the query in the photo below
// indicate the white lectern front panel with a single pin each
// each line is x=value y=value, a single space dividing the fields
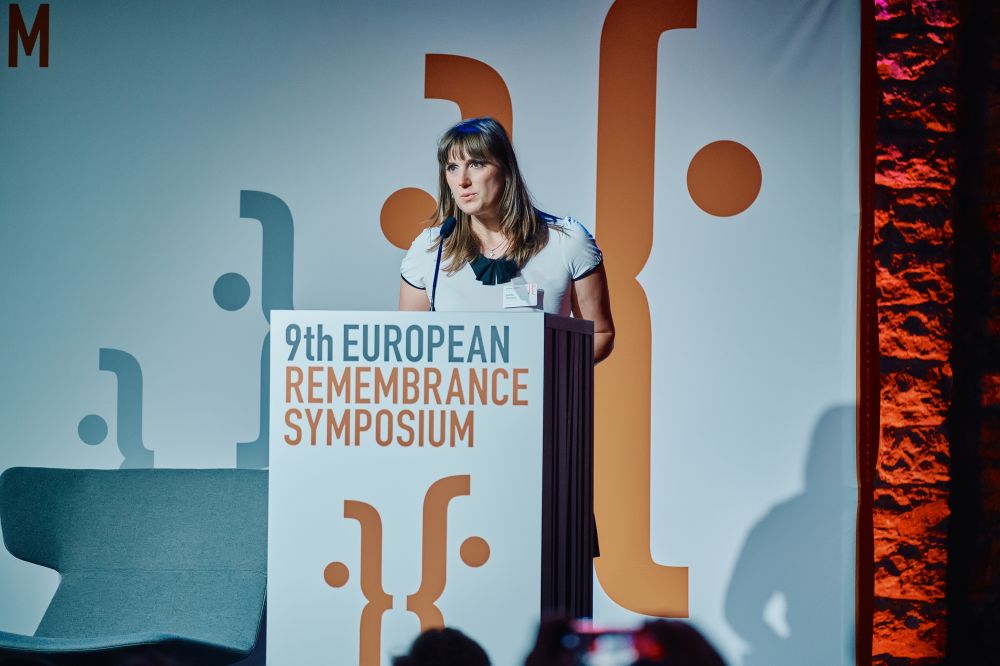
x=405 y=482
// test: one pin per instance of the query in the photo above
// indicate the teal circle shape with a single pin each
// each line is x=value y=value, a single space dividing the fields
x=92 y=429
x=231 y=291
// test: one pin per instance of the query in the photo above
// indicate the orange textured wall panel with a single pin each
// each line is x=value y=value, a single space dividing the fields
x=914 y=211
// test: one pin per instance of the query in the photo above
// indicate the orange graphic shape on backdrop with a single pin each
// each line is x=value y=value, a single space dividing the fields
x=336 y=574
x=404 y=213
x=724 y=178
x=626 y=136
x=476 y=87
x=475 y=551
x=478 y=90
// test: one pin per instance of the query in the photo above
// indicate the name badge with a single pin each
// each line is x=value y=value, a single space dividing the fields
x=520 y=295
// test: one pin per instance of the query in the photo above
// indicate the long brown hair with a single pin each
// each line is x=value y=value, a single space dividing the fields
x=524 y=227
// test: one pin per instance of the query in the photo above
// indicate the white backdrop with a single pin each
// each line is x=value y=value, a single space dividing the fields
x=120 y=209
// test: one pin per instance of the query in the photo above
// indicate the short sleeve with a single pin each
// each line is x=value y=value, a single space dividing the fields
x=580 y=251
x=414 y=266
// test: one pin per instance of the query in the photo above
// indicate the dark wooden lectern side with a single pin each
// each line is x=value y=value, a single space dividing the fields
x=569 y=537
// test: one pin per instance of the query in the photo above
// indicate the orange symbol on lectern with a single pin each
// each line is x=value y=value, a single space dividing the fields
x=474 y=552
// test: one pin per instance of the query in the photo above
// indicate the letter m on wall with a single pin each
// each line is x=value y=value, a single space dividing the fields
x=19 y=35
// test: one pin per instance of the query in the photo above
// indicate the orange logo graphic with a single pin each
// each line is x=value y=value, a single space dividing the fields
x=723 y=180
x=474 y=552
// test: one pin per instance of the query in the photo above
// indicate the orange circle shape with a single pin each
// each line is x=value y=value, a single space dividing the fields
x=724 y=178
x=404 y=214
x=475 y=551
x=336 y=574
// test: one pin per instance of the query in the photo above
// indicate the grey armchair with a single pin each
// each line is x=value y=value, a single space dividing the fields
x=157 y=565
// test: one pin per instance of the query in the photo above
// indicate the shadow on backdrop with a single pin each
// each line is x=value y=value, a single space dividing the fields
x=789 y=588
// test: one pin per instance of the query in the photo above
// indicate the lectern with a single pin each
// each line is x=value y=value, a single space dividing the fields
x=426 y=469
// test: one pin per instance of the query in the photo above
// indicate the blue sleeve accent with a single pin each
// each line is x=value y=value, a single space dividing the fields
x=588 y=272
x=411 y=284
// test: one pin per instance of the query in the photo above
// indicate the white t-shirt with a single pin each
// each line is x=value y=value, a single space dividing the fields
x=570 y=254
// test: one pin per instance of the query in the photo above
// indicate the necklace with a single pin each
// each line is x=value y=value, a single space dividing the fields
x=493 y=250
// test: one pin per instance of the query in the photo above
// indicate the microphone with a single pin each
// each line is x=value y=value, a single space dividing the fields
x=447 y=227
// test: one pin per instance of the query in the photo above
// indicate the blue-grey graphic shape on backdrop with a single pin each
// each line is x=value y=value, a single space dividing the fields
x=93 y=429
x=277 y=255
x=231 y=291
x=254 y=455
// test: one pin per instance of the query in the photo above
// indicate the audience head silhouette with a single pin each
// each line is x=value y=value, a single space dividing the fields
x=675 y=643
x=443 y=647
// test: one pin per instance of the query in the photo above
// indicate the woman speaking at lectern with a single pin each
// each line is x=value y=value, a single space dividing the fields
x=492 y=249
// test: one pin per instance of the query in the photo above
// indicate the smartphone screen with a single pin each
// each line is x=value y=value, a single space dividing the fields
x=613 y=648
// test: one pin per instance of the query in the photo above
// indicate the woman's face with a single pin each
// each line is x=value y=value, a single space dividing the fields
x=477 y=186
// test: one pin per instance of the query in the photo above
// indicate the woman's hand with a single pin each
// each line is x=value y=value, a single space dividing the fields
x=591 y=301
x=411 y=298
